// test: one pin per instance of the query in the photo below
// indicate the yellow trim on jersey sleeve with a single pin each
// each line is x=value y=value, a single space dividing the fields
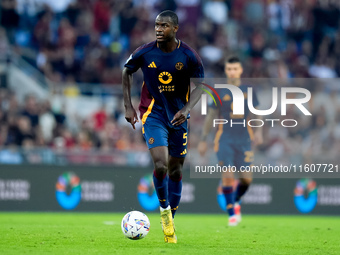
x=146 y=114
x=187 y=96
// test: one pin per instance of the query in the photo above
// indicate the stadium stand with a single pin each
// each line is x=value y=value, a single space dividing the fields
x=80 y=46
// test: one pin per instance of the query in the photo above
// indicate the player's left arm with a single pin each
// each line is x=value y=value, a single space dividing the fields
x=198 y=72
x=181 y=116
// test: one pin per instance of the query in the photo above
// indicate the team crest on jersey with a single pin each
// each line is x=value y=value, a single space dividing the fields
x=151 y=140
x=165 y=77
x=179 y=65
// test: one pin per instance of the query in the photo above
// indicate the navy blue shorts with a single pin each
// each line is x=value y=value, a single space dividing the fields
x=157 y=132
x=234 y=154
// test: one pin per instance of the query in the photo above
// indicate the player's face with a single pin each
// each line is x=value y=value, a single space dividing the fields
x=233 y=70
x=165 y=29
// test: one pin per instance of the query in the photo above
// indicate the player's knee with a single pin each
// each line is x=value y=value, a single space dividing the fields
x=227 y=182
x=246 y=181
x=161 y=168
x=175 y=174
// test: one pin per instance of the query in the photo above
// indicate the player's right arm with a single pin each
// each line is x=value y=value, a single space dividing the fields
x=208 y=122
x=130 y=112
x=132 y=65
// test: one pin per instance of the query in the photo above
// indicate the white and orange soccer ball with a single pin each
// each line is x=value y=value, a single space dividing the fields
x=135 y=225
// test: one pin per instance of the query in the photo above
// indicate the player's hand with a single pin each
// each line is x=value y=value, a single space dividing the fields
x=179 y=118
x=202 y=148
x=131 y=116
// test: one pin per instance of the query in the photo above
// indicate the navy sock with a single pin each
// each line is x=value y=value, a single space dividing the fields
x=161 y=187
x=175 y=192
x=240 y=190
x=229 y=197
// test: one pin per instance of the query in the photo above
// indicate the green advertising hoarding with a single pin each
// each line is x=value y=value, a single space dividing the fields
x=118 y=189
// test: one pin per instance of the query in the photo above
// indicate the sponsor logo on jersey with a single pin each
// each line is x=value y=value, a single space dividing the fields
x=152 y=65
x=165 y=77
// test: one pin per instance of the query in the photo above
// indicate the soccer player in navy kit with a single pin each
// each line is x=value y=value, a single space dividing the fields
x=232 y=143
x=167 y=65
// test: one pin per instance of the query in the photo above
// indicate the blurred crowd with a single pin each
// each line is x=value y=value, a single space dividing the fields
x=43 y=125
x=309 y=139
x=88 y=41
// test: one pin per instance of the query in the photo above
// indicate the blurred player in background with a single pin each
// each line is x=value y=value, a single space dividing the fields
x=232 y=142
x=167 y=65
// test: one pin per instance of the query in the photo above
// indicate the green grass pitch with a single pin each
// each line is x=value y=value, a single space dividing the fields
x=85 y=233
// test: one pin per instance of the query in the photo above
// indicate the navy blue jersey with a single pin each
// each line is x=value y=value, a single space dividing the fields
x=233 y=132
x=166 y=87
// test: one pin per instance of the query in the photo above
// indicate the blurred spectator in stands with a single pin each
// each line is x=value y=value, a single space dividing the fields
x=31 y=110
x=105 y=146
x=11 y=129
x=124 y=142
x=28 y=11
x=102 y=14
x=72 y=12
x=11 y=105
x=128 y=20
x=58 y=110
x=114 y=26
x=30 y=154
x=9 y=18
x=119 y=109
x=68 y=138
x=47 y=121
x=257 y=45
x=83 y=141
x=217 y=11
x=254 y=12
x=63 y=140
x=100 y=118
x=166 y=5
x=323 y=68
x=112 y=131
x=3 y=135
x=59 y=6
x=42 y=33
x=66 y=34
x=23 y=130
x=275 y=13
x=4 y=47
x=301 y=22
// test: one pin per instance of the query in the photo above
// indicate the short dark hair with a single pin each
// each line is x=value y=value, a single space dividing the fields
x=233 y=59
x=173 y=16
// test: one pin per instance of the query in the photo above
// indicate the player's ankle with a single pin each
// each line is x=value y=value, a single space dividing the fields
x=165 y=208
